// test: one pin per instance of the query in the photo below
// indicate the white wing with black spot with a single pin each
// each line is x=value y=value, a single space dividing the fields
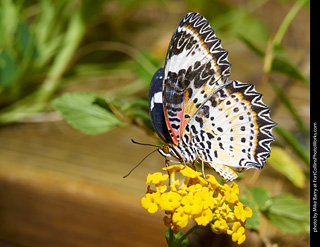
x=232 y=128
x=196 y=65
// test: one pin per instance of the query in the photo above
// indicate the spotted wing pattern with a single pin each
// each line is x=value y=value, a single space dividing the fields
x=199 y=114
x=196 y=65
x=231 y=129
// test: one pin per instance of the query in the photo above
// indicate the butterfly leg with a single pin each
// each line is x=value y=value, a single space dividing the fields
x=184 y=164
x=193 y=165
x=167 y=165
x=202 y=167
x=167 y=162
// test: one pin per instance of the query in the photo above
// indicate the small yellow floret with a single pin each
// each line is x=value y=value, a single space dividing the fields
x=169 y=201
x=238 y=233
x=150 y=202
x=156 y=178
x=205 y=201
x=180 y=218
x=204 y=218
x=242 y=212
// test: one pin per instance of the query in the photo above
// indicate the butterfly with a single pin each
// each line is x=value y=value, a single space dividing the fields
x=199 y=114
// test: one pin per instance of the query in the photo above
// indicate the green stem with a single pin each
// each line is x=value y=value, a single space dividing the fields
x=171 y=242
x=72 y=40
x=119 y=47
x=179 y=239
x=287 y=21
x=269 y=53
x=192 y=229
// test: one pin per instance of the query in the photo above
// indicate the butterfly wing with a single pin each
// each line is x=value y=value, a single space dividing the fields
x=156 y=106
x=196 y=65
x=231 y=129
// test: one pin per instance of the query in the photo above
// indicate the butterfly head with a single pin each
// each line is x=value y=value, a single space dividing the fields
x=169 y=151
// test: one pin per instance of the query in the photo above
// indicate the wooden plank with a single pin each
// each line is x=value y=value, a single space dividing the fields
x=62 y=188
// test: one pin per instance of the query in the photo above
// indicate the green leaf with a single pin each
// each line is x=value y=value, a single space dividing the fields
x=139 y=114
x=168 y=235
x=9 y=17
x=260 y=196
x=295 y=144
x=145 y=67
x=174 y=240
x=72 y=39
x=137 y=103
x=253 y=222
x=81 y=112
x=89 y=11
x=9 y=69
x=289 y=214
x=251 y=45
x=26 y=45
x=288 y=104
x=285 y=164
x=23 y=37
x=283 y=66
x=237 y=21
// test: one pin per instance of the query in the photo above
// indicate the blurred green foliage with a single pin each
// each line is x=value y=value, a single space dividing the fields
x=49 y=46
x=37 y=43
x=285 y=211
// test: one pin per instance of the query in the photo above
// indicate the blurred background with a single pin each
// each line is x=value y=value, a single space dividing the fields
x=63 y=158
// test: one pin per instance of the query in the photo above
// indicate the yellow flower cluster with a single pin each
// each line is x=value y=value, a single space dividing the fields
x=203 y=200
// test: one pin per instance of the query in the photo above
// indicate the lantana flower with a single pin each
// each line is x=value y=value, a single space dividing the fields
x=203 y=200
x=238 y=233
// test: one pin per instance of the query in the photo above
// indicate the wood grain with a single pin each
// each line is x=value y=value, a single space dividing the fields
x=61 y=188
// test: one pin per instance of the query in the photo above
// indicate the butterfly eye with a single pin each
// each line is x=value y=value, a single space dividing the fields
x=165 y=149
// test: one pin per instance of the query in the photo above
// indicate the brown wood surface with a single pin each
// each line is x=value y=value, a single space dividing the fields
x=61 y=188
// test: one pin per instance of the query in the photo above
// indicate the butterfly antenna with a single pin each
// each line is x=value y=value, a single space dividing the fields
x=144 y=144
x=139 y=163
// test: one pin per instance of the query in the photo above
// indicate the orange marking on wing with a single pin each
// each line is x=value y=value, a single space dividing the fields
x=170 y=129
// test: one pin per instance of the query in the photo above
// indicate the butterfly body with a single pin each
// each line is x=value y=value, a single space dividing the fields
x=199 y=114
